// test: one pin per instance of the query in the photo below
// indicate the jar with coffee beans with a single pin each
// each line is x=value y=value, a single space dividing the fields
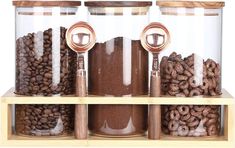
x=44 y=120
x=45 y=65
x=118 y=66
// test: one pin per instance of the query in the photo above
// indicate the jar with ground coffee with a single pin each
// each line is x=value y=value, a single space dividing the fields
x=118 y=66
x=44 y=120
x=45 y=65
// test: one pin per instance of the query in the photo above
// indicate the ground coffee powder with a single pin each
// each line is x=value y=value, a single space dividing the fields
x=118 y=67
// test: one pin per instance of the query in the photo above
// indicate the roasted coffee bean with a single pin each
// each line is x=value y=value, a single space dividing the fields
x=175 y=70
x=191 y=120
x=40 y=67
x=39 y=120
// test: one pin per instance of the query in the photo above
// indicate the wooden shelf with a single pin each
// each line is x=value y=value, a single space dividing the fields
x=7 y=138
x=11 y=98
x=166 y=141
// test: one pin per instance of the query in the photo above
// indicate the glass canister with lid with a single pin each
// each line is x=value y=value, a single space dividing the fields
x=191 y=66
x=118 y=66
x=45 y=65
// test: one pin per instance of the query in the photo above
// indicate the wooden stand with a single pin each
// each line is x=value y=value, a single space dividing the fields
x=227 y=140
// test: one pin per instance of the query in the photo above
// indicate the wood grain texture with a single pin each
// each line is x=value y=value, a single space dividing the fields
x=29 y=3
x=154 y=128
x=118 y=3
x=81 y=115
x=192 y=4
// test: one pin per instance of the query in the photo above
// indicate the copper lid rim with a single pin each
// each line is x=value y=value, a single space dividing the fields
x=46 y=3
x=191 y=4
x=118 y=3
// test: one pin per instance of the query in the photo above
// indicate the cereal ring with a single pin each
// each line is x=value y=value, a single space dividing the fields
x=199 y=108
x=164 y=87
x=205 y=84
x=186 y=92
x=173 y=93
x=185 y=117
x=217 y=72
x=182 y=122
x=187 y=73
x=183 y=109
x=183 y=85
x=212 y=83
x=191 y=119
x=183 y=130
x=169 y=68
x=174 y=87
x=173 y=125
x=196 y=114
x=179 y=68
x=210 y=73
x=192 y=82
x=172 y=56
x=194 y=92
x=212 y=92
x=167 y=76
x=165 y=80
x=205 y=112
x=204 y=120
x=212 y=130
x=194 y=123
x=210 y=122
x=214 y=116
x=182 y=78
x=210 y=63
x=174 y=115
x=175 y=81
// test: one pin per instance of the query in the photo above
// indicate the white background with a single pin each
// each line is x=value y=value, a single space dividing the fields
x=7 y=44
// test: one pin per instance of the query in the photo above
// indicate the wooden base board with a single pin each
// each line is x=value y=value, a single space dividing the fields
x=226 y=141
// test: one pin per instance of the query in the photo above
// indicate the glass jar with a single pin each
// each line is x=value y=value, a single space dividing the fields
x=44 y=120
x=45 y=65
x=191 y=64
x=118 y=66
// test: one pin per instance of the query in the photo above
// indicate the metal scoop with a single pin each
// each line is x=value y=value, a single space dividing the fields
x=155 y=37
x=81 y=38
